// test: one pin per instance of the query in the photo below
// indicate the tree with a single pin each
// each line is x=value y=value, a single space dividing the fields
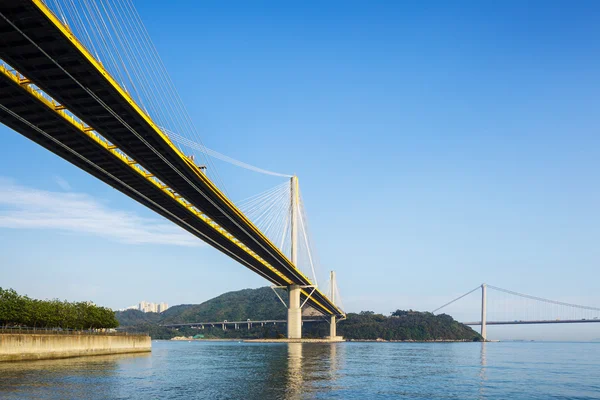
x=17 y=310
x=12 y=307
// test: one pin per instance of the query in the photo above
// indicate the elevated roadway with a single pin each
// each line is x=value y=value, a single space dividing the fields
x=237 y=323
x=62 y=98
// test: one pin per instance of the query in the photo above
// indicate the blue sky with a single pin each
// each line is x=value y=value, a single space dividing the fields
x=439 y=145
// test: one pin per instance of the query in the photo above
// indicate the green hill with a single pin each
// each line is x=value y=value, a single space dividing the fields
x=262 y=303
x=255 y=304
x=405 y=325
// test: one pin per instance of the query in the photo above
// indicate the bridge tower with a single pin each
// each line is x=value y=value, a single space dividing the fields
x=483 y=311
x=294 y=323
x=333 y=323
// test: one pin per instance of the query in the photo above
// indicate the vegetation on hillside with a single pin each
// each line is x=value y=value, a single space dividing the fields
x=405 y=325
x=256 y=304
x=263 y=304
x=133 y=317
x=240 y=305
x=18 y=310
x=400 y=325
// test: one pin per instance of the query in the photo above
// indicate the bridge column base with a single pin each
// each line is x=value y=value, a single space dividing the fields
x=294 y=320
x=333 y=327
x=333 y=331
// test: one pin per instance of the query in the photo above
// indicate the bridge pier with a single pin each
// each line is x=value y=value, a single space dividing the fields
x=333 y=328
x=333 y=322
x=294 y=320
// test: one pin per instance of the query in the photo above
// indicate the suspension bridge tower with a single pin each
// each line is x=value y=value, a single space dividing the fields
x=484 y=311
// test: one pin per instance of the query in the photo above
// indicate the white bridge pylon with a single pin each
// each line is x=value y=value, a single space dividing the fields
x=296 y=222
x=280 y=215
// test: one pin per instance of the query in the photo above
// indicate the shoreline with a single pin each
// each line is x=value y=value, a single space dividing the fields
x=310 y=340
x=413 y=341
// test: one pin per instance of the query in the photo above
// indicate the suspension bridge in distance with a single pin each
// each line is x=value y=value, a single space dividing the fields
x=523 y=309
x=84 y=82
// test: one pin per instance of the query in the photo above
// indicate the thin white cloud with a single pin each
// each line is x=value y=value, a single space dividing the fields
x=27 y=208
x=64 y=185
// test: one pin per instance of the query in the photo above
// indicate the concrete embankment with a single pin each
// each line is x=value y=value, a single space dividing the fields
x=21 y=347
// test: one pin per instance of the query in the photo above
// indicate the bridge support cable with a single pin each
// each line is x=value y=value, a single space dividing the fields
x=560 y=303
x=140 y=196
x=175 y=137
x=141 y=138
x=281 y=209
x=153 y=149
x=272 y=211
x=274 y=288
x=115 y=35
x=483 y=306
x=511 y=306
x=145 y=135
x=309 y=250
x=333 y=291
x=455 y=300
x=269 y=211
x=506 y=307
x=308 y=297
x=71 y=125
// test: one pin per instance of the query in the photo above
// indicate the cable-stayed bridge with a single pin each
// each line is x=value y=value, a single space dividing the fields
x=83 y=80
x=512 y=308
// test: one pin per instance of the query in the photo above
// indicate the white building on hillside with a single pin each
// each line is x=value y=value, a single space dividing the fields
x=162 y=307
x=146 y=306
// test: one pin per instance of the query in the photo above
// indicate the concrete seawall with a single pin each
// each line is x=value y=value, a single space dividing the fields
x=21 y=347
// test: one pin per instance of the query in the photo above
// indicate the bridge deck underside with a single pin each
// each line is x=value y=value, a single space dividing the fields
x=36 y=46
x=86 y=155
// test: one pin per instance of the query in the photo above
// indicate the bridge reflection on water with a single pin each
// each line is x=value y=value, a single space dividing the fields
x=224 y=370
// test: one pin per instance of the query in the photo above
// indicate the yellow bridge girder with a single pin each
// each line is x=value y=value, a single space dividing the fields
x=65 y=37
x=119 y=155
